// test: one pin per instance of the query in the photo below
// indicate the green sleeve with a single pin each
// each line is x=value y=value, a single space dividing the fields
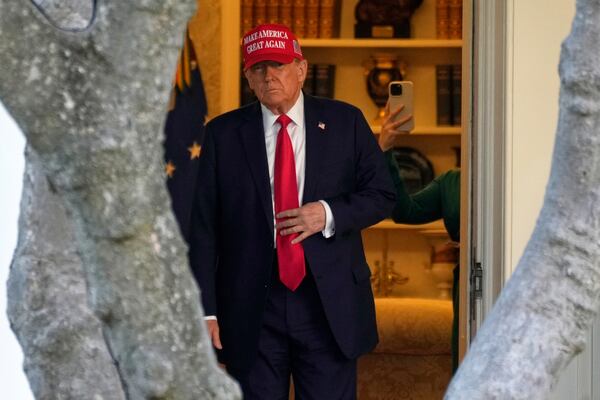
x=419 y=208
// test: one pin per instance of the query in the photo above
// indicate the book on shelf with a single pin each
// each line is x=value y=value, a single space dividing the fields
x=309 y=81
x=448 y=94
x=326 y=13
x=443 y=74
x=455 y=19
x=312 y=19
x=324 y=78
x=247 y=15
x=456 y=90
x=306 y=18
x=273 y=11
x=260 y=12
x=285 y=12
x=299 y=18
x=442 y=19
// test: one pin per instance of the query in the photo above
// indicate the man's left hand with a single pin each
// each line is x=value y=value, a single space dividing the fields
x=306 y=221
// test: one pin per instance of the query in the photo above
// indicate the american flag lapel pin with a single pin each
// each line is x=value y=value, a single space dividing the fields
x=322 y=126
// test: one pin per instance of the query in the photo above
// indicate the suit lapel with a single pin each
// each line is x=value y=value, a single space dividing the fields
x=316 y=147
x=253 y=139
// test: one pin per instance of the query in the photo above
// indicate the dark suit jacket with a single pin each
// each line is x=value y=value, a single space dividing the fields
x=232 y=244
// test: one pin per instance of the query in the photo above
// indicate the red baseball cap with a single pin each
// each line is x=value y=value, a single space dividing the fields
x=270 y=42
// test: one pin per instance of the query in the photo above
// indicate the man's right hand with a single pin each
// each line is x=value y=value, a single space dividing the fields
x=213 y=331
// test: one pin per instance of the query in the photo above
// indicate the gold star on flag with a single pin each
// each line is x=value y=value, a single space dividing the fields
x=170 y=169
x=195 y=151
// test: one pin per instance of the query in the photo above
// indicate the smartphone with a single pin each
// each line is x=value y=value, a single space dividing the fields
x=401 y=93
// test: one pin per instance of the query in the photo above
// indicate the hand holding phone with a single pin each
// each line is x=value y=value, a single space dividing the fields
x=401 y=94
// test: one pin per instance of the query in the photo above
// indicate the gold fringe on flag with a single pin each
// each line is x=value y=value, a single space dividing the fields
x=186 y=63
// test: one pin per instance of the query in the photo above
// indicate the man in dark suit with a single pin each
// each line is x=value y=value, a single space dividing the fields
x=285 y=186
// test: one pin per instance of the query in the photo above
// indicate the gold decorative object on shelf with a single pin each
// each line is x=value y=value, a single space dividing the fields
x=384 y=277
x=380 y=70
x=444 y=257
x=384 y=18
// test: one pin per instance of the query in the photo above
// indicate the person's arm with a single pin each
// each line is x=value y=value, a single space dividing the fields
x=203 y=235
x=421 y=207
x=373 y=196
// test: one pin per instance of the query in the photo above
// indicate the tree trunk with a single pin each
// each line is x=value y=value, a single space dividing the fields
x=88 y=82
x=65 y=352
x=540 y=320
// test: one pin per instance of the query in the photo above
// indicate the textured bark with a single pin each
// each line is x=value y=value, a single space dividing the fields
x=89 y=90
x=73 y=15
x=539 y=322
x=65 y=353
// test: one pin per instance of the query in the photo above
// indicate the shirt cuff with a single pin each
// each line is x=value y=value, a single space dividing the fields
x=210 y=318
x=329 y=230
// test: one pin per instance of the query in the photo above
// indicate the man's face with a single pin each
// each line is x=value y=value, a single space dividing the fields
x=276 y=85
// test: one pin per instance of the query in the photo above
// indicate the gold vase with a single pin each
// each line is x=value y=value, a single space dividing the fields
x=381 y=69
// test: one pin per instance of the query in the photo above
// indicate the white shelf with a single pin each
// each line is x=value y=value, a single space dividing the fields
x=432 y=227
x=428 y=130
x=382 y=43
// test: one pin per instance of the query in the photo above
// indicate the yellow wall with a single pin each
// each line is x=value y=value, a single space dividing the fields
x=205 y=30
x=538 y=28
x=216 y=41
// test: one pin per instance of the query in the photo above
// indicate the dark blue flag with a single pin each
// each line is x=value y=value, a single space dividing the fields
x=184 y=132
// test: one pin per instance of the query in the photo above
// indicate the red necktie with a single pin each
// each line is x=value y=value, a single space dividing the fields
x=289 y=256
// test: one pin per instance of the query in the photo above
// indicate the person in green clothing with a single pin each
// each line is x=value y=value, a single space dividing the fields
x=440 y=199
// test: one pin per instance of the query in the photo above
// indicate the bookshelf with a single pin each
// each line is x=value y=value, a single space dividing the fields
x=428 y=130
x=382 y=43
x=436 y=226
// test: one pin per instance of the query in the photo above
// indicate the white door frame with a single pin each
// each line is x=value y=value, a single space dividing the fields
x=488 y=153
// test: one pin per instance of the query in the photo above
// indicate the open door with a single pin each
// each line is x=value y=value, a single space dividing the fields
x=483 y=251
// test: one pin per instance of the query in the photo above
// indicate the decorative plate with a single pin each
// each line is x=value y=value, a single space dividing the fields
x=414 y=168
